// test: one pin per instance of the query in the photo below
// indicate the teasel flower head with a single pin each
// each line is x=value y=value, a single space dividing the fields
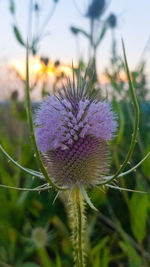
x=112 y=21
x=96 y=9
x=72 y=132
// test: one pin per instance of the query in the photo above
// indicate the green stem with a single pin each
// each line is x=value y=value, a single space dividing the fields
x=77 y=216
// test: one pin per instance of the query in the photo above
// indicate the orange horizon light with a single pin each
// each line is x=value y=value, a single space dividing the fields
x=38 y=68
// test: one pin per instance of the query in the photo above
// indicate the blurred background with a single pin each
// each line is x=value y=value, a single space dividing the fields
x=33 y=231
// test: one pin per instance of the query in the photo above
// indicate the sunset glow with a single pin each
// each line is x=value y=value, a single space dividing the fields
x=38 y=68
x=121 y=76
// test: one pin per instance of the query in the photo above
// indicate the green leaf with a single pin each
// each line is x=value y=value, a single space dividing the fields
x=134 y=259
x=58 y=260
x=102 y=34
x=99 y=246
x=139 y=212
x=105 y=258
x=76 y=30
x=18 y=35
x=100 y=253
x=96 y=261
x=12 y=7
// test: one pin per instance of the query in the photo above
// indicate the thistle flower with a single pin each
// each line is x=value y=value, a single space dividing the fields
x=72 y=133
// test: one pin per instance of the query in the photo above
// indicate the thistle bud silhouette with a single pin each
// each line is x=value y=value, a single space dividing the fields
x=96 y=9
x=112 y=20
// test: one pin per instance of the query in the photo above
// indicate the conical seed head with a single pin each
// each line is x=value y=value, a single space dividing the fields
x=85 y=162
x=72 y=133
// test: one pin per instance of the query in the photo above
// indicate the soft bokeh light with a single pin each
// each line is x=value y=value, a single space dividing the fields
x=104 y=79
x=38 y=67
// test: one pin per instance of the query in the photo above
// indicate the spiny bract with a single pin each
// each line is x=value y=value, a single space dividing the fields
x=72 y=130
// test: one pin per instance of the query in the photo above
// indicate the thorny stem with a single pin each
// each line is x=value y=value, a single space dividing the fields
x=132 y=120
x=77 y=216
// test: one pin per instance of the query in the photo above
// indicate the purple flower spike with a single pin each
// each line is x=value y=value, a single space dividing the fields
x=72 y=130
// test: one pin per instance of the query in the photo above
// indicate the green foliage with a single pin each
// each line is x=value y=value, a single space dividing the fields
x=102 y=34
x=34 y=34
x=139 y=205
x=12 y=6
x=18 y=35
x=100 y=253
x=76 y=30
x=105 y=258
x=27 y=211
x=134 y=259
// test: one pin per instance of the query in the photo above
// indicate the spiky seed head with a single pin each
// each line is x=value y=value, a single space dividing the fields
x=112 y=20
x=96 y=9
x=72 y=130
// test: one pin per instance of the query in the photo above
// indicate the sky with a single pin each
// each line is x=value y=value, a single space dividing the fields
x=133 y=26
